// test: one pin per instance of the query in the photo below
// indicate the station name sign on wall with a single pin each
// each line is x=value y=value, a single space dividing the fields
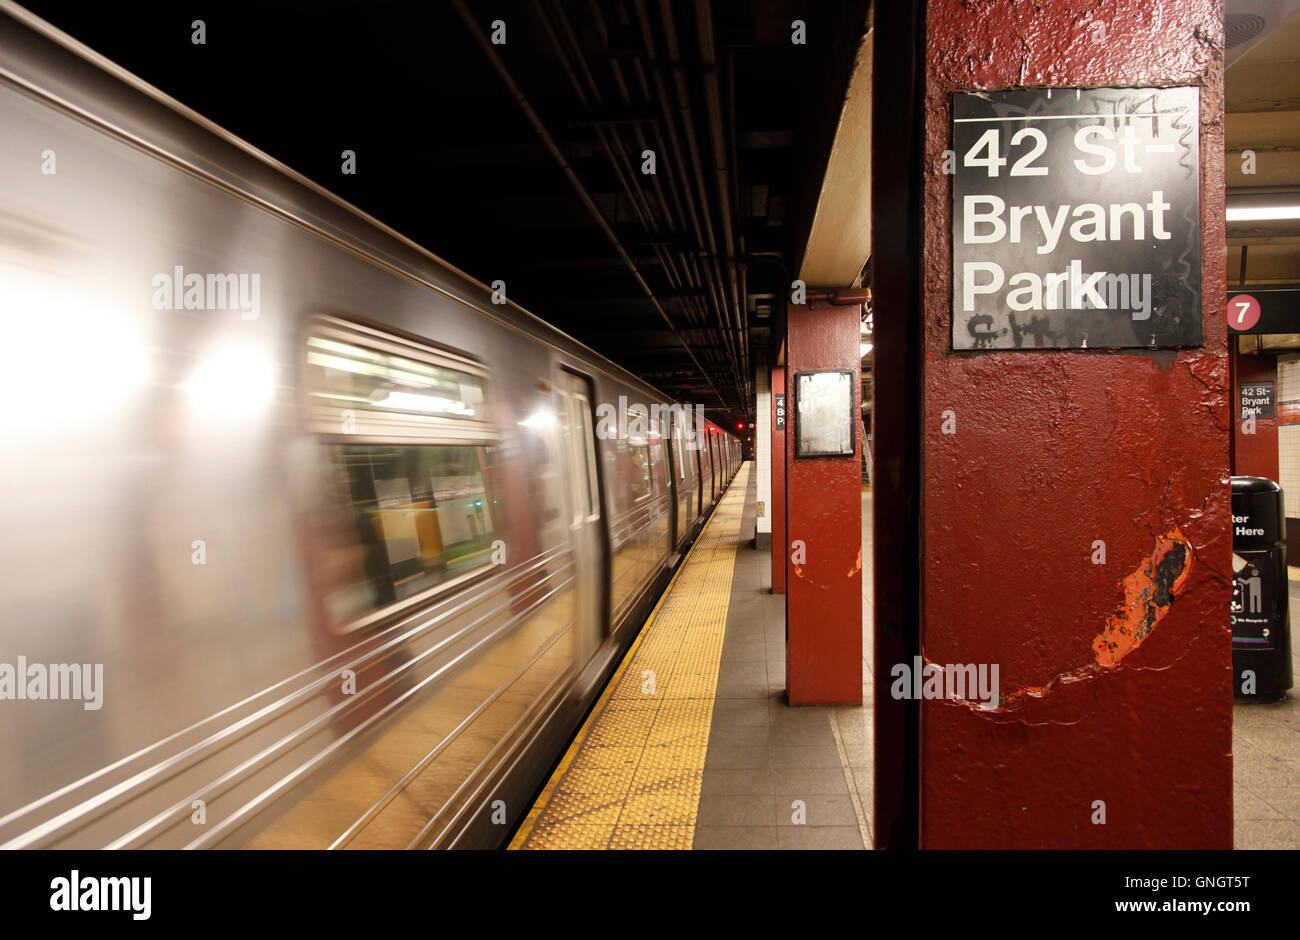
x=1256 y=400
x=1076 y=219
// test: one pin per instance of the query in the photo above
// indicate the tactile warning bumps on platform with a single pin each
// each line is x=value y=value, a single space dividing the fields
x=635 y=781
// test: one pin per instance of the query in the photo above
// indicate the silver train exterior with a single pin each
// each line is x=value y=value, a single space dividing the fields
x=306 y=542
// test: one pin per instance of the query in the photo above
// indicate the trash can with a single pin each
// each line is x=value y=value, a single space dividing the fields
x=1261 y=624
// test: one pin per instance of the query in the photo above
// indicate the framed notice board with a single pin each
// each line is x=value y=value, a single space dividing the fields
x=825 y=424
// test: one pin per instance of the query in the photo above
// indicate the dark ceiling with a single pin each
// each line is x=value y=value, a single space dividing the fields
x=462 y=144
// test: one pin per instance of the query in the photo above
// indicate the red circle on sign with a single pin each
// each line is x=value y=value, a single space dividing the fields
x=1243 y=311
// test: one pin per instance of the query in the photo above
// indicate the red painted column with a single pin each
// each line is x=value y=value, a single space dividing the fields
x=780 y=546
x=1256 y=452
x=1054 y=452
x=823 y=550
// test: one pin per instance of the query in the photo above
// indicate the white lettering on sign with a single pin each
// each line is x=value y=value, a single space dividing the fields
x=1093 y=222
x=1076 y=219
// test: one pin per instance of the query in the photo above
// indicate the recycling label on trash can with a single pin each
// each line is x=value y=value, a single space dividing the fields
x=1253 y=589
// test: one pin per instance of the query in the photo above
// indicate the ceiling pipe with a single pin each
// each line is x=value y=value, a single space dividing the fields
x=612 y=152
x=703 y=271
x=741 y=271
x=627 y=173
x=688 y=275
x=697 y=167
x=638 y=133
x=624 y=170
x=722 y=173
x=549 y=142
x=638 y=69
x=688 y=262
x=840 y=296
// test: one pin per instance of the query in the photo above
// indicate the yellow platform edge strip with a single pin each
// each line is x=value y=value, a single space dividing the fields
x=526 y=828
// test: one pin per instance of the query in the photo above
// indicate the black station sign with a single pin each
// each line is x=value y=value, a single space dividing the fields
x=1257 y=400
x=780 y=411
x=1076 y=219
x=1264 y=311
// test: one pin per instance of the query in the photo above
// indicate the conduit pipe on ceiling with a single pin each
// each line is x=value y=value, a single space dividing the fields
x=549 y=142
x=713 y=101
x=695 y=307
x=609 y=141
x=673 y=261
x=697 y=170
x=704 y=271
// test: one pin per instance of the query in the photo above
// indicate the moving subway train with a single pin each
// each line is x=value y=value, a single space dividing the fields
x=307 y=543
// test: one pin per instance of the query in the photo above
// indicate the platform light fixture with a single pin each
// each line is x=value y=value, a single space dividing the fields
x=1257 y=206
x=1263 y=213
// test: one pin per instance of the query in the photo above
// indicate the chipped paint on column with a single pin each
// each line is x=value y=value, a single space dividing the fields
x=1149 y=593
x=1108 y=693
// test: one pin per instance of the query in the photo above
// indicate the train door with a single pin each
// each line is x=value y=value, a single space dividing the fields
x=681 y=479
x=699 y=468
x=586 y=518
x=713 y=466
x=670 y=477
x=706 y=460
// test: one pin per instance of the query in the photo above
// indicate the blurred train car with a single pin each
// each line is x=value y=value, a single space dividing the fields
x=307 y=543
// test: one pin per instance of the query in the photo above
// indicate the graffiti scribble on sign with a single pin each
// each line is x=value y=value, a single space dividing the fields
x=984 y=335
x=1037 y=327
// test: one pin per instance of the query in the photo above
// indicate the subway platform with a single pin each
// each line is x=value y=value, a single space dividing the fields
x=692 y=744
x=1266 y=763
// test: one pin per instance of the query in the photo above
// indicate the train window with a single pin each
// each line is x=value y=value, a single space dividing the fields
x=411 y=494
x=420 y=516
x=368 y=384
x=677 y=449
x=638 y=446
x=589 y=485
x=641 y=478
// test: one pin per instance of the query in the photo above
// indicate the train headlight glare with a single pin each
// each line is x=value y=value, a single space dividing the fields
x=97 y=355
x=232 y=384
x=541 y=418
